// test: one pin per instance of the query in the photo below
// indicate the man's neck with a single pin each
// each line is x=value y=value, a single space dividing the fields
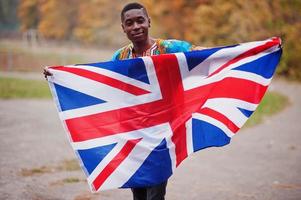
x=140 y=47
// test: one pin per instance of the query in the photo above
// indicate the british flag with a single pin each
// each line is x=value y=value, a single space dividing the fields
x=132 y=122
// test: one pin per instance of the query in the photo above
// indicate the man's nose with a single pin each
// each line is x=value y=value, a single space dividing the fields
x=136 y=25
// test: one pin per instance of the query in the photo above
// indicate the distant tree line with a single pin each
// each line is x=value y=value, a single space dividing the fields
x=8 y=16
x=220 y=22
x=202 y=22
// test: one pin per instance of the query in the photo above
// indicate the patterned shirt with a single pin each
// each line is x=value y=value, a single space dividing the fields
x=159 y=47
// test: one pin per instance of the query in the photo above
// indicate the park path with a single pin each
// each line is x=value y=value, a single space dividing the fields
x=263 y=162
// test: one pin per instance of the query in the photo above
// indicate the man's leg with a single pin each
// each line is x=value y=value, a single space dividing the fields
x=156 y=192
x=139 y=193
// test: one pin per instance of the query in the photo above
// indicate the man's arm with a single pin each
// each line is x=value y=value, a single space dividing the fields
x=193 y=48
x=175 y=46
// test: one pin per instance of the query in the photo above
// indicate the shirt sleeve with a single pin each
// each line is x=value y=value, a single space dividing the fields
x=175 y=46
x=116 y=55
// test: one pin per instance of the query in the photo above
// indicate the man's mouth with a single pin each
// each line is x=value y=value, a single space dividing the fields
x=137 y=34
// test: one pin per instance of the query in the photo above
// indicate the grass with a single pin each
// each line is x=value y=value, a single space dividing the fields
x=71 y=180
x=66 y=165
x=69 y=165
x=36 y=171
x=272 y=103
x=64 y=181
x=11 y=88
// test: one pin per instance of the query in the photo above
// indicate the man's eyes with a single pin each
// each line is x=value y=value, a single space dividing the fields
x=128 y=23
x=139 y=21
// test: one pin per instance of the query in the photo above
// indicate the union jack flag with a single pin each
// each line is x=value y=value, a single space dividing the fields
x=132 y=122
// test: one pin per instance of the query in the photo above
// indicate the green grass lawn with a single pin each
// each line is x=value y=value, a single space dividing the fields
x=18 y=88
x=271 y=103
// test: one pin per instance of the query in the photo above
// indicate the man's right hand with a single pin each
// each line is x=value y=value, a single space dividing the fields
x=46 y=72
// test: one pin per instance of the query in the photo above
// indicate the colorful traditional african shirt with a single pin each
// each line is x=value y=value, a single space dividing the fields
x=159 y=47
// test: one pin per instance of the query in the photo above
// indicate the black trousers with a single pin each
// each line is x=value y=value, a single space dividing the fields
x=156 y=192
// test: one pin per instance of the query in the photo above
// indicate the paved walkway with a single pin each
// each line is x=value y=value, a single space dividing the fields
x=261 y=163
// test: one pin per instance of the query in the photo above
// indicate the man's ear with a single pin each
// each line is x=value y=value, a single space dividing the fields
x=122 y=27
x=149 y=22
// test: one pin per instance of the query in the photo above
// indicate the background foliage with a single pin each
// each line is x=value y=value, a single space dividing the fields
x=202 y=22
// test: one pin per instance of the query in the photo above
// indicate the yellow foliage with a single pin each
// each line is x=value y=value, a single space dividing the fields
x=230 y=21
x=90 y=18
x=202 y=22
x=28 y=14
x=56 y=18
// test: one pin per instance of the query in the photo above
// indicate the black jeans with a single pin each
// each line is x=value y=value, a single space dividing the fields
x=156 y=192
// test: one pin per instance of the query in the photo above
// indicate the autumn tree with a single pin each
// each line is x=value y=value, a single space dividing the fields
x=202 y=22
x=287 y=24
x=221 y=22
x=28 y=14
x=172 y=19
x=57 y=18
x=91 y=16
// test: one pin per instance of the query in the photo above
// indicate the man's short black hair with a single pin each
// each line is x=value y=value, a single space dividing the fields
x=131 y=6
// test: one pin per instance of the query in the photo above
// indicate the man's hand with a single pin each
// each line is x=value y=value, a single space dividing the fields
x=198 y=48
x=46 y=72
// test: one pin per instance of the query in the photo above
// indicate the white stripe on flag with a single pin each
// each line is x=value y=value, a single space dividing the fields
x=214 y=122
x=229 y=107
x=114 y=75
x=150 y=140
x=197 y=76
x=88 y=86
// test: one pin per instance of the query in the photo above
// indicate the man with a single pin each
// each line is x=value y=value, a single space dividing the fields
x=135 y=23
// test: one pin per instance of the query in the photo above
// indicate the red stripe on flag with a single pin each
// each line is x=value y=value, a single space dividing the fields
x=117 y=121
x=103 y=79
x=239 y=89
x=220 y=117
x=170 y=81
x=133 y=118
x=161 y=111
x=114 y=163
x=251 y=52
x=236 y=88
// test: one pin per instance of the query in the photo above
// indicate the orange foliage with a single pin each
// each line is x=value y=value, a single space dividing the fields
x=202 y=22
x=90 y=17
x=28 y=14
x=56 y=18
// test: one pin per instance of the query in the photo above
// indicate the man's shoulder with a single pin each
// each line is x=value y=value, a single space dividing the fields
x=121 y=52
x=116 y=54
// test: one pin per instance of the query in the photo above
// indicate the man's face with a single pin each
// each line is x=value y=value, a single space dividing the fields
x=135 y=24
